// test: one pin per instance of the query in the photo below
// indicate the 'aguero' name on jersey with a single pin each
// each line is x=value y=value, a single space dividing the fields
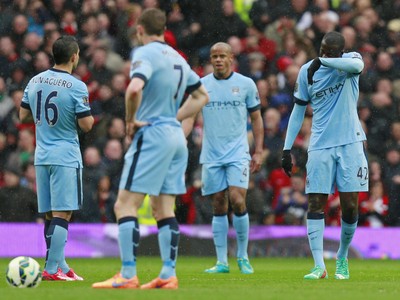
x=225 y=118
x=171 y=77
x=56 y=99
x=333 y=97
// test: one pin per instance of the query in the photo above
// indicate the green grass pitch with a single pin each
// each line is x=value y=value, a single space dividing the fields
x=274 y=278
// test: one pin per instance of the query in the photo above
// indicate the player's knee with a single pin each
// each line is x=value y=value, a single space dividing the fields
x=118 y=207
x=238 y=206
x=315 y=207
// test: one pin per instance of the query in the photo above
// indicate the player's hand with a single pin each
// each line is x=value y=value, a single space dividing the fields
x=133 y=127
x=287 y=162
x=256 y=161
x=315 y=65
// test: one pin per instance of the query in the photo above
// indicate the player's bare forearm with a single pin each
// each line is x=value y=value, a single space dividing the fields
x=25 y=115
x=86 y=123
x=193 y=104
x=187 y=125
x=133 y=98
x=258 y=133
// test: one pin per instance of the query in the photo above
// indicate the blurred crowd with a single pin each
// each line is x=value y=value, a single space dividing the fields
x=270 y=39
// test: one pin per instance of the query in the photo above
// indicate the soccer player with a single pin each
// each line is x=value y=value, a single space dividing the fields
x=225 y=153
x=156 y=160
x=58 y=104
x=336 y=153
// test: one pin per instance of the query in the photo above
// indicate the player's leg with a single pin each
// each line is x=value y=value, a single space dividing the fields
x=137 y=179
x=125 y=209
x=349 y=205
x=66 y=196
x=163 y=208
x=321 y=171
x=168 y=241
x=214 y=185
x=352 y=177
x=57 y=236
x=315 y=234
x=238 y=181
x=47 y=221
x=44 y=200
x=56 y=226
x=241 y=225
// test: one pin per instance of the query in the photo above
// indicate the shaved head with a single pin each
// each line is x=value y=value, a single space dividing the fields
x=222 y=46
x=332 y=44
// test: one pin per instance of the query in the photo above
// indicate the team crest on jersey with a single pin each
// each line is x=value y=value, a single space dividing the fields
x=235 y=90
x=136 y=65
x=85 y=100
x=341 y=73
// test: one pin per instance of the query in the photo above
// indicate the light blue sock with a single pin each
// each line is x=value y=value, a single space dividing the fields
x=241 y=225
x=168 y=241
x=346 y=236
x=220 y=227
x=57 y=236
x=315 y=232
x=63 y=264
x=128 y=238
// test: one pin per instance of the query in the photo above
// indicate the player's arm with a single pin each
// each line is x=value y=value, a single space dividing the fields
x=188 y=123
x=192 y=106
x=258 y=133
x=82 y=108
x=25 y=115
x=25 y=112
x=302 y=97
x=85 y=122
x=295 y=122
x=349 y=62
x=133 y=98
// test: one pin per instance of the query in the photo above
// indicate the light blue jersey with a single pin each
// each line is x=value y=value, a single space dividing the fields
x=57 y=99
x=170 y=75
x=225 y=118
x=156 y=160
x=333 y=97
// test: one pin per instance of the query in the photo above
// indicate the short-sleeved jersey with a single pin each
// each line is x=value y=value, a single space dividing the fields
x=171 y=77
x=333 y=97
x=57 y=99
x=225 y=118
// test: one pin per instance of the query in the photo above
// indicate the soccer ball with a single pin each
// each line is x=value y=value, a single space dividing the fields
x=23 y=272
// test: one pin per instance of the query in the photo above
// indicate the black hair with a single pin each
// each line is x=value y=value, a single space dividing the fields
x=63 y=48
x=334 y=42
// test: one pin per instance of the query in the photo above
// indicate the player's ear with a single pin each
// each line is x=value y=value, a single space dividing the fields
x=139 y=29
x=74 y=57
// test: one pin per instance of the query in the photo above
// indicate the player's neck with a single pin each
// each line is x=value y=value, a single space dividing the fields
x=153 y=38
x=223 y=76
x=66 y=68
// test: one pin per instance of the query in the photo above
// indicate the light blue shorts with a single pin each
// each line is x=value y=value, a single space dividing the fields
x=218 y=177
x=156 y=161
x=346 y=166
x=59 y=188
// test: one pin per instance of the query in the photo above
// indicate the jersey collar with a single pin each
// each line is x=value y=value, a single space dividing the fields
x=60 y=71
x=230 y=75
